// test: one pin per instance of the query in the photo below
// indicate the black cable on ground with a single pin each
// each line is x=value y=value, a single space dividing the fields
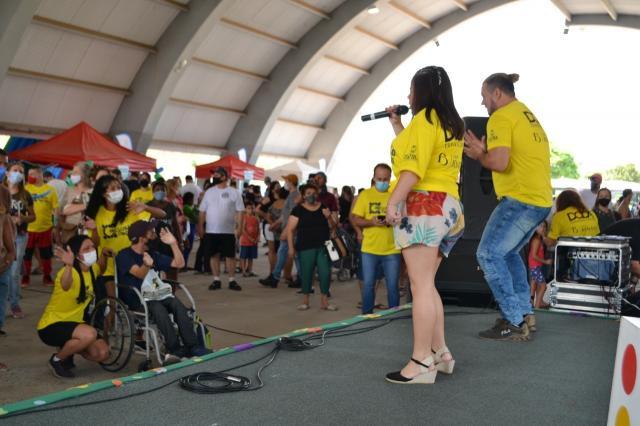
x=203 y=382
x=239 y=333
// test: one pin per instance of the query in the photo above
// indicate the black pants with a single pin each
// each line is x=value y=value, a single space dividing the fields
x=160 y=311
x=202 y=264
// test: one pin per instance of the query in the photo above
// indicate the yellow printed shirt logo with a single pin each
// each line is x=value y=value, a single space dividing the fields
x=424 y=149
x=572 y=223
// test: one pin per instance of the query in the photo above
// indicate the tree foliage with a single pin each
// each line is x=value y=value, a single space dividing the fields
x=563 y=165
x=627 y=172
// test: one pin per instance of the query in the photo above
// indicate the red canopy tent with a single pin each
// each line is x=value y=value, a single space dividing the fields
x=233 y=165
x=83 y=143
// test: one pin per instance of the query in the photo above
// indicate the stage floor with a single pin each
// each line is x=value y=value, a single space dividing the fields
x=563 y=376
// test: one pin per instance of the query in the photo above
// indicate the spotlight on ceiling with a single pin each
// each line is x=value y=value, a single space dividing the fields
x=373 y=10
x=436 y=42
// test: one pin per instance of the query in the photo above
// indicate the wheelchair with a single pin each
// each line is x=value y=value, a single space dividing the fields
x=128 y=331
x=347 y=267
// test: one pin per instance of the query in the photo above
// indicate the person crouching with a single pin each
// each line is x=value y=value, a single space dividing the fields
x=62 y=323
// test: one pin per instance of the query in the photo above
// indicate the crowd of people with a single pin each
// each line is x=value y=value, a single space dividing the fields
x=106 y=228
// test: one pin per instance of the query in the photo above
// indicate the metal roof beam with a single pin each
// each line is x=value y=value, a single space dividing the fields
x=230 y=69
x=195 y=104
x=347 y=64
x=461 y=4
x=409 y=14
x=257 y=33
x=611 y=10
x=310 y=8
x=19 y=72
x=87 y=32
x=267 y=104
x=182 y=7
x=376 y=38
x=321 y=93
x=325 y=142
x=299 y=123
x=563 y=9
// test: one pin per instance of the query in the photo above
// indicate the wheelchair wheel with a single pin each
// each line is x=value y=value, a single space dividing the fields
x=115 y=325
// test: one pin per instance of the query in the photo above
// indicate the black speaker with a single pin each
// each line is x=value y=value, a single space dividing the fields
x=476 y=186
x=459 y=279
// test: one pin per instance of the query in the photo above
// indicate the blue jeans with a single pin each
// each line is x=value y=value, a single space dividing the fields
x=391 y=267
x=509 y=228
x=283 y=254
x=5 y=282
x=16 y=271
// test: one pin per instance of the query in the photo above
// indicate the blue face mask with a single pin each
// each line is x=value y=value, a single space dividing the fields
x=382 y=186
x=3 y=170
x=15 y=178
x=159 y=195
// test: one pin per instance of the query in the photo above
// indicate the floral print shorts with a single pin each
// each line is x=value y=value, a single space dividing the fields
x=433 y=219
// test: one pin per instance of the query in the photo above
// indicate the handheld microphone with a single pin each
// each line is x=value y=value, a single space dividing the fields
x=401 y=110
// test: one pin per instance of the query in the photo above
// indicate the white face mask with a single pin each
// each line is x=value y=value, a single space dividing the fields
x=90 y=258
x=15 y=177
x=75 y=179
x=115 y=197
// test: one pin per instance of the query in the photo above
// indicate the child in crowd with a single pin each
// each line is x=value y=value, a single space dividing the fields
x=536 y=260
x=249 y=239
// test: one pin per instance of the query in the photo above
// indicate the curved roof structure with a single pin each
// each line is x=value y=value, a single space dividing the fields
x=282 y=77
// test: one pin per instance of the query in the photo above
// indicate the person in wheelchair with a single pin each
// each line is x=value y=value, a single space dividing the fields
x=139 y=267
x=62 y=324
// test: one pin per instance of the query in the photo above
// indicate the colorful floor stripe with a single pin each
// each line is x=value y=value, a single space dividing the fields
x=88 y=388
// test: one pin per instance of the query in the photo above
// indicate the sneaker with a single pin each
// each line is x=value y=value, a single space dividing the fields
x=531 y=322
x=170 y=359
x=199 y=351
x=234 y=286
x=215 y=285
x=17 y=313
x=503 y=330
x=269 y=282
x=68 y=363
x=58 y=369
x=47 y=281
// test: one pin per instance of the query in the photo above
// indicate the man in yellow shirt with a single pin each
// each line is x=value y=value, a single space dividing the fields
x=378 y=246
x=144 y=194
x=45 y=203
x=516 y=150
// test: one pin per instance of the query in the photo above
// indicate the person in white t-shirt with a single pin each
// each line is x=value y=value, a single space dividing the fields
x=590 y=195
x=221 y=207
x=190 y=186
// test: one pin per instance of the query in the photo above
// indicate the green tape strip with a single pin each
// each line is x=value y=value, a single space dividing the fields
x=86 y=389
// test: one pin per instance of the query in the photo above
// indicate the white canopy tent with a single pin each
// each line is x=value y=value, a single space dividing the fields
x=296 y=167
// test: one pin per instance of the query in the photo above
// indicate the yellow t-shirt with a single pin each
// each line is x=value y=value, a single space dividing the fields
x=376 y=239
x=45 y=203
x=571 y=223
x=423 y=149
x=63 y=305
x=528 y=175
x=142 y=195
x=115 y=236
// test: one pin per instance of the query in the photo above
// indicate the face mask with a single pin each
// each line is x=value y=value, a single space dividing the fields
x=75 y=179
x=215 y=181
x=15 y=178
x=32 y=180
x=382 y=186
x=3 y=170
x=144 y=183
x=595 y=186
x=90 y=258
x=159 y=195
x=604 y=202
x=311 y=199
x=115 y=197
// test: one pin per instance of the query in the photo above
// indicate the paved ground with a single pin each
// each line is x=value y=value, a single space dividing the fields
x=256 y=310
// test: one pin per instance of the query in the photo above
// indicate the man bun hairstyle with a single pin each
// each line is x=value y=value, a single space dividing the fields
x=502 y=81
